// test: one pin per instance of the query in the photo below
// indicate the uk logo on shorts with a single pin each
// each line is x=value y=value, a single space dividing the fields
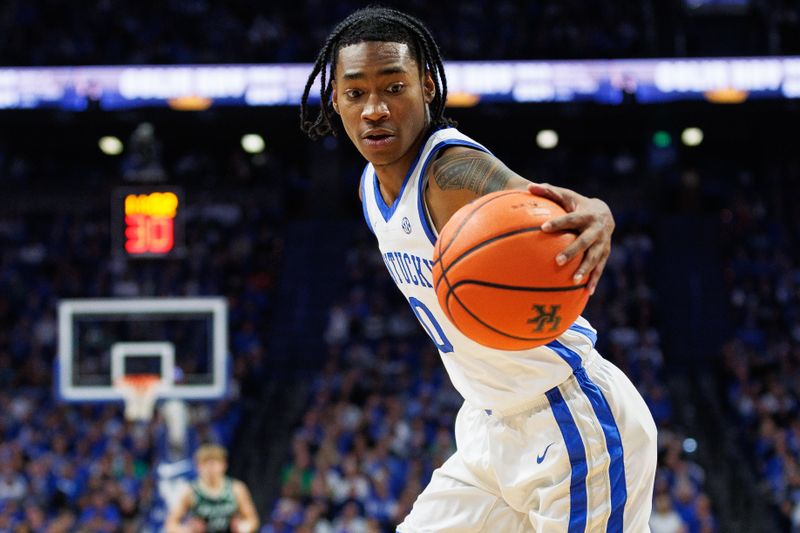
x=406 y=225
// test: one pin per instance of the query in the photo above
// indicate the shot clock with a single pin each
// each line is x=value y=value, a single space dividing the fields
x=147 y=222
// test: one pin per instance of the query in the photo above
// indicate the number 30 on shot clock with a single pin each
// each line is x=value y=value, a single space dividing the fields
x=148 y=221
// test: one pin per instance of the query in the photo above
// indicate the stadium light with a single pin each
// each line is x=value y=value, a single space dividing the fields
x=110 y=145
x=253 y=143
x=662 y=139
x=547 y=139
x=689 y=445
x=692 y=136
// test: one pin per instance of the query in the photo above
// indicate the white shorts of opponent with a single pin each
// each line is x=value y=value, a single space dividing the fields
x=580 y=458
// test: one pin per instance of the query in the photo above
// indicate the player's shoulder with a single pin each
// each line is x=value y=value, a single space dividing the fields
x=465 y=170
x=451 y=137
x=450 y=143
x=469 y=151
x=455 y=166
x=238 y=486
x=188 y=493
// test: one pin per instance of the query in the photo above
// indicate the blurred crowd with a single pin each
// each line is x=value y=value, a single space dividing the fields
x=624 y=310
x=761 y=239
x=379 y=417
x=83 y=467
x=380 y=414
x=49 y=32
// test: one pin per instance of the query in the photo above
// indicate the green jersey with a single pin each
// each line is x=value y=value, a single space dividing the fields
x=216 y=511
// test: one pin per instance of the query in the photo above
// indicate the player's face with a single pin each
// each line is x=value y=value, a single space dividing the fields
x=212 y=469
x=383 y=100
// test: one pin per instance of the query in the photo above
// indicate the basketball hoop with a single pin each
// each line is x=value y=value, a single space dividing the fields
x=140 y=392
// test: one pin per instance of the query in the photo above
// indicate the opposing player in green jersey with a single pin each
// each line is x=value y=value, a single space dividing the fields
x=215 y=503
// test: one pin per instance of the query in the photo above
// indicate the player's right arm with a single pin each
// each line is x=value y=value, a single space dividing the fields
x=178 y=512
x=248 y=522
x=461 y=174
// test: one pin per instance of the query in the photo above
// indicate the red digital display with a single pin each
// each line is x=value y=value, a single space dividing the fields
x=150 y=222
x=148 y=234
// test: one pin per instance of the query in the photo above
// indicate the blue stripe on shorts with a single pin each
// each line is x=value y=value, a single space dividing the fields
x=577 y=460
x=586 y=332
x=616 y=470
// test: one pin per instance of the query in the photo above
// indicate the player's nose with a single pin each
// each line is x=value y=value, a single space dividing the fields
x=375 y=109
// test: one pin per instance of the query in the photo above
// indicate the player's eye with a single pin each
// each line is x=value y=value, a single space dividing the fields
x=396 y=88
x=353 y=93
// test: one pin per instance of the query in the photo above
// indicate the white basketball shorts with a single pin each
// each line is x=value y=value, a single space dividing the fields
x=580 y=458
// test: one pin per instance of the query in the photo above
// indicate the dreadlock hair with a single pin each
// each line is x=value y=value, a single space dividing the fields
x=373 y=24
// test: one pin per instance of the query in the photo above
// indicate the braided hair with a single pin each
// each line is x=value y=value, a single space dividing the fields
x=373 y=24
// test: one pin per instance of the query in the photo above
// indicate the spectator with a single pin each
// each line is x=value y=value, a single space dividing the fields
x=350 y=519
x=761 y=359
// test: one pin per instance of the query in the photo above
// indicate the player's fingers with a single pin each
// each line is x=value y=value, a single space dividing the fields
x=542 y=189
x=574 y=221
x=579 y=245
x=563 y=197
x=597 y=273
x=591 y=259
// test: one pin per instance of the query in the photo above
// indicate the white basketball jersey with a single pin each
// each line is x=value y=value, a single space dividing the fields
x=487 y=378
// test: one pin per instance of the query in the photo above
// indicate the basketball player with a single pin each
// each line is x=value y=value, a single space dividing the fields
x=551 y=439
x=214 y=502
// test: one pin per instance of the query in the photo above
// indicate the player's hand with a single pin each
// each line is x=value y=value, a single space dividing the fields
x=241 y=526
x=183 y=528
x=195 y=525
x=593 y=221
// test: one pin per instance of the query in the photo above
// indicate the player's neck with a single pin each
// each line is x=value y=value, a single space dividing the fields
x=392 y=175
x=213 y=485
x=390 y=181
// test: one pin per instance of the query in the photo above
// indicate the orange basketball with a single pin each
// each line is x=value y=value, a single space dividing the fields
x=496 y=276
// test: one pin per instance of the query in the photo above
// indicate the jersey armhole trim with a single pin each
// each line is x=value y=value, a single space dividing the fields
x=364 y=199
x=422 y=181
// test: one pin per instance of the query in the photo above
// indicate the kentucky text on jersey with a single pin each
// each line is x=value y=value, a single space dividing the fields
x=409 y=269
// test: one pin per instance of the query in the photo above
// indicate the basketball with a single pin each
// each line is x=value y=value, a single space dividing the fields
x=495 y=273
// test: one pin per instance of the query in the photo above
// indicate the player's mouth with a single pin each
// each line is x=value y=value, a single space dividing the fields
x=377 y=138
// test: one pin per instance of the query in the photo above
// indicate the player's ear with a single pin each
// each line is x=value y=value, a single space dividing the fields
x=333 y=97
x=428 y=87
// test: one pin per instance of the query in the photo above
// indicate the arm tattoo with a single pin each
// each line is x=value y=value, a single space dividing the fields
x=471 y=170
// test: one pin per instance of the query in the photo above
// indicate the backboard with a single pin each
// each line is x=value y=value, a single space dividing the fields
x=183 y=340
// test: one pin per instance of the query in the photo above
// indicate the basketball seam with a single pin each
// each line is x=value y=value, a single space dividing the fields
x=517 y=287
x=442 y=252
x=437 y=281
x=486 y=243
x=463 y=222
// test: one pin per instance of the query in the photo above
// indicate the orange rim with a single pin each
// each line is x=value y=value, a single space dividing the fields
x=140 y=381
